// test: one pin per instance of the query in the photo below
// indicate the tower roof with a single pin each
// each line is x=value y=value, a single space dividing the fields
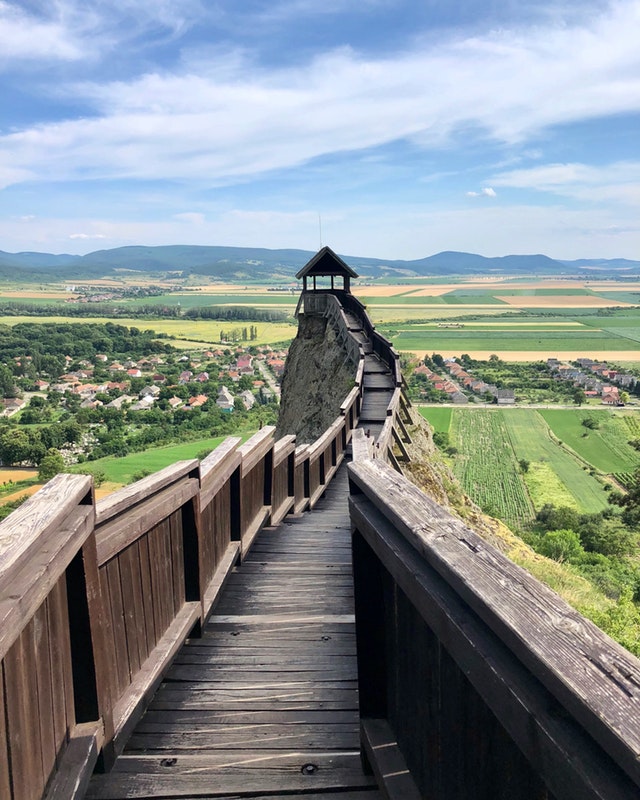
x=326 y=262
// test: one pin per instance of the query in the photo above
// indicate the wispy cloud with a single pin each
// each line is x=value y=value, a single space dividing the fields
x=30 y=37
x=67 y=30
x=618 y=182
x=487 y=191
x=214 y=126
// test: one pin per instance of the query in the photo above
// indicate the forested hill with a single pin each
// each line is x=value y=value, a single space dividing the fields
x=244 y=263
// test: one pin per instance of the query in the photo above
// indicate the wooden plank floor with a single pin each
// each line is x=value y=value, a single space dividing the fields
x=265 y=704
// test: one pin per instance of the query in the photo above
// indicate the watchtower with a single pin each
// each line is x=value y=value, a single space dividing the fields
x=326 y=263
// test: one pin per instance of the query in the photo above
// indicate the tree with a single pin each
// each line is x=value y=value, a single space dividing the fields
x=561 y=545
x=15 y=447
x=50 y=465
x=630 y=502
x=524 y=465
x=579 y=397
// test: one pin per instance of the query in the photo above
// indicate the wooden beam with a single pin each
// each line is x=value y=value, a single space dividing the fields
x=591 y=676
x=385 y=757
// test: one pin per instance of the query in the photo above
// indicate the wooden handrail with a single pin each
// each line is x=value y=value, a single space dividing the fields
x=494 y=644
x=115 y=587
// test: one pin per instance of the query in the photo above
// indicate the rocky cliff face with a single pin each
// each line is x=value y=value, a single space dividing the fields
x=317 y=378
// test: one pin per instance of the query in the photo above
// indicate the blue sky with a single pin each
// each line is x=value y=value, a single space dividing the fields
x=408 y=126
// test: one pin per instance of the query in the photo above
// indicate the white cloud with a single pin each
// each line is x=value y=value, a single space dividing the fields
x=71 y=30
x=25 y=36
x=618 y=182
x=218 y=127
x=486 y=192
x=87 y=236
x=192 y=217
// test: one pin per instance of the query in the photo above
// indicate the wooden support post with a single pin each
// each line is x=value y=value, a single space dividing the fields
x=400 y=443
x=90 y=660
x=405 y=433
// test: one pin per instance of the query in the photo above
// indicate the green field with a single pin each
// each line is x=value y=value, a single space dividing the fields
x=486 y=465
x=121 y=470
x=530 y=438
x=188 y=333
x=439 y=417
x=461 y=340
x=606 y=448
x=491 y=443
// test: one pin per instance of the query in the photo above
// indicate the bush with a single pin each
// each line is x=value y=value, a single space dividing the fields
x=560 y=545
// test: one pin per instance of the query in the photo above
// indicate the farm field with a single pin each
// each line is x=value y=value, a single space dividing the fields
x=555 y=476
x=486 y=466
x=120 y=471
x=191 y=333
x=607 y=447
x=519 y=319
x=491 y=442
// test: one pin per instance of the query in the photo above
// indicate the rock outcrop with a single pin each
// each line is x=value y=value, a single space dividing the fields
x=317 y=377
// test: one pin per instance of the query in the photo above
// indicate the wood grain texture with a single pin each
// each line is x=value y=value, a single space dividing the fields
x=254 y=450
x=25 y=588
x=132 y=522
x=455 y=647
x=43 y=512
x=122 y=499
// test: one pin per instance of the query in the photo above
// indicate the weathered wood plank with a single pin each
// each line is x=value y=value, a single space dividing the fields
x=45 y=511
x=21 y=708
x=218 y=467
x=571 y=764
x=74 y=772
x=127 y=497
x=5 y=780
x=255 y=449
x=130 y=706
x=283 y=448
x=24 y=588
x=220 y=577
x=200 y=777
x=129 y=525
x=173 y=719
x=389 y=767
x=261 y=737
x=60 y=659
x=593 y=677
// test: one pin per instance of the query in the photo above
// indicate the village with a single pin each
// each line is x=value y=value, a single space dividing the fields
x=260 y=367
x=584 y=380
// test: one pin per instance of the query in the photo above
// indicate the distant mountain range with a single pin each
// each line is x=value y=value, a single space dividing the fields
x=246 y=263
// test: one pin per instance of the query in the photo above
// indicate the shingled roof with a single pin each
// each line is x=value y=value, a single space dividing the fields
x=326 y=262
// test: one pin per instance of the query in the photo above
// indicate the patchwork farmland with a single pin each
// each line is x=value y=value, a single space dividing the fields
x=566 y=463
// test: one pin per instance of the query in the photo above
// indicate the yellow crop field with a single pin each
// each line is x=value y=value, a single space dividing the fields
x=189 y=333
x=536 y=355
x=561 y=301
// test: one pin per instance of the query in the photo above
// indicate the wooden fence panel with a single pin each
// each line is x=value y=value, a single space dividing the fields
x=251 y=495
x=484 y=698
x=145 y=536
x=218 y=553
x=283 y=498
x=42 y=682
x=301 y=478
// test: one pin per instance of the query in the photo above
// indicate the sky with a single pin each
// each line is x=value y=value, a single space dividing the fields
x=383 y=128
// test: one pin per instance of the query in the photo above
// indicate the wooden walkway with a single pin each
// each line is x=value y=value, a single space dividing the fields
x=265 y=704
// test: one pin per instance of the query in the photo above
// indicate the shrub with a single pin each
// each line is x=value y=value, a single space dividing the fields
x=560 y=545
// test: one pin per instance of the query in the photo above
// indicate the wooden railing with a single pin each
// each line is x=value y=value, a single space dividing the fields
x=96 y=598
x=475 y=679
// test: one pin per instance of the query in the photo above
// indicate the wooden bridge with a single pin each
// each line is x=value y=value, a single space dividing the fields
x=203 y=633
